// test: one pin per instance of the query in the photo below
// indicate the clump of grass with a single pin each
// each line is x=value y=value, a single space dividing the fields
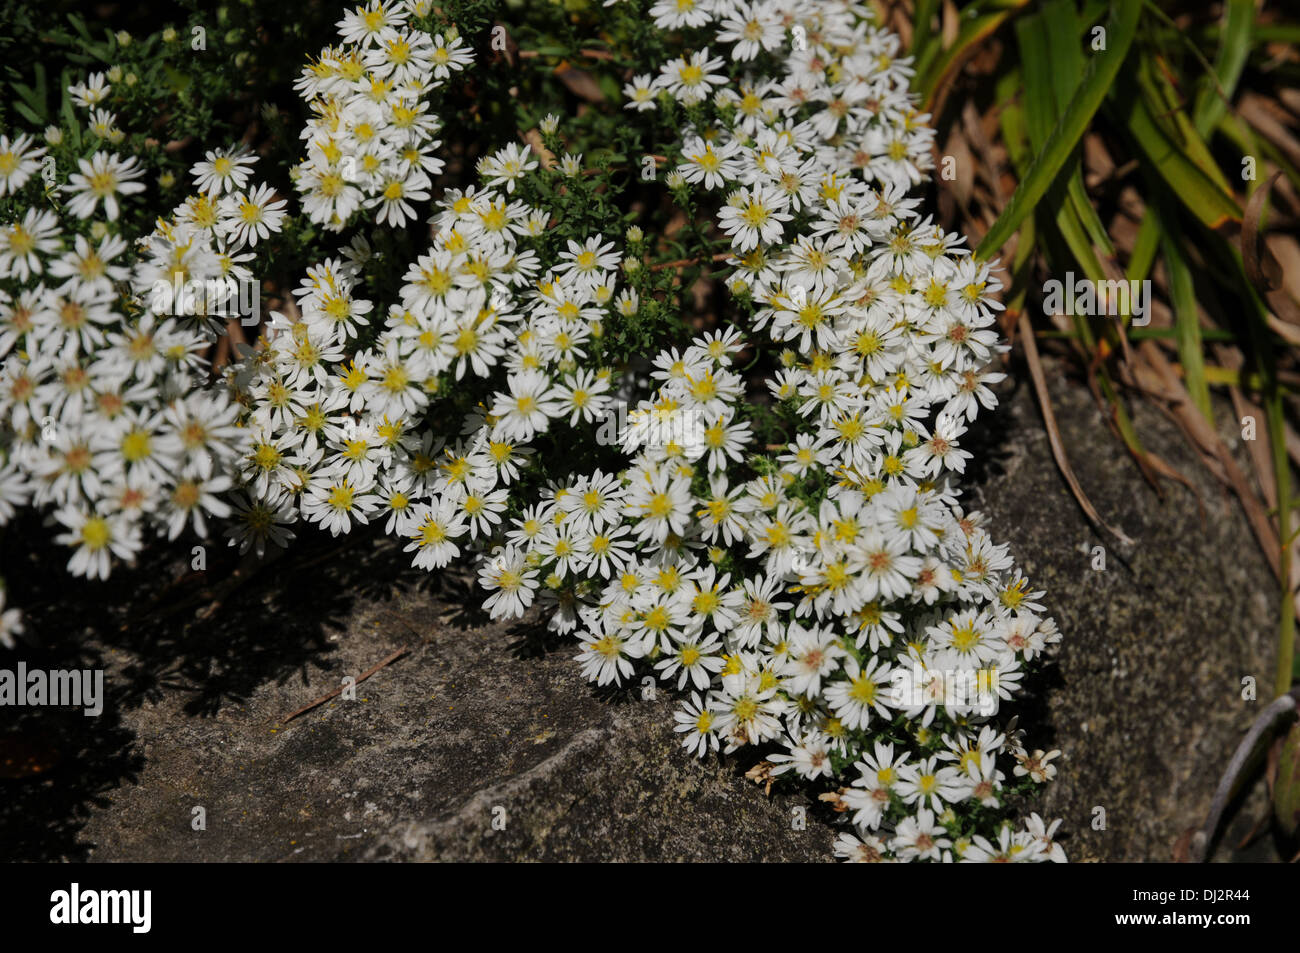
x=1130 y=141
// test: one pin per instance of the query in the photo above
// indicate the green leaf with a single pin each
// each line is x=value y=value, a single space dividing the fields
x=1187 y=323
x=1102 y=71
x=934 y=64
x=1188 y=181
x=1063 y=41
x=1144 y=249
x=921 y=36
x=1166 y=106
x=27 y=113
x=1234 y=50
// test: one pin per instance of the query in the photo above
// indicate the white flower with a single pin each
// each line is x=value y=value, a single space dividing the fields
x=96 y=538
x=505 y=574
x=102 y=178
x=250 y=216
x=18 y=162
x=223 y=170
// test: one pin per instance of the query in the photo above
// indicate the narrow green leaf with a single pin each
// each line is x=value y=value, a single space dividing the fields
x=922 y=35
x=935 y=64
x=28 y=113
x=1191 y=354
x=1102 y=70
x=1064 y=31
x=1234 y=50
x=1167 y=108
x=1144 y=247
x=1188 y=182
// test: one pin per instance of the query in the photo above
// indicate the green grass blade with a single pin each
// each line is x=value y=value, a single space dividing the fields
x=922 y=35
x=1102 y=70
x=1064 y=31
x=1188 y=182
x=1234 y=50
x=935 y=64
x=1187 y=324
x=1166 y=106
x=1144 y=248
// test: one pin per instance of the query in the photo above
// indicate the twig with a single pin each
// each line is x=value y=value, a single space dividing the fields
x=324 y=698
x=589 y=54
x=1054 y=434
x=1200 y=844
x=683 y=262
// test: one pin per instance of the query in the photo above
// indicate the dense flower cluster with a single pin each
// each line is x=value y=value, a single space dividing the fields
x=827 y=596
x=109 y=420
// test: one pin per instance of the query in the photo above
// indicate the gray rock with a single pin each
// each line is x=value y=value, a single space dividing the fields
x=1145 y=698
x=480 y=722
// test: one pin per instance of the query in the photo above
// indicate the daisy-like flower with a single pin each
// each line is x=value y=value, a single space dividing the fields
x=690 y=658
x=608 y=551
x=690 y=79
x=103 y=177
x=505 y=574
x=640 y=93
x=336 y=502
x=397 y=193
x=582 y=396
x=508 y=165
x=191 y=498
x=1043 y=834
x=920 y=837
x=922 y=780
x=97 y=538
x=748 y=709
x=607 y=653
x=810 y=757
x=90 y=93
x=261 y=519
x=675 y=14
x=223 y=170
x=696 y=723
x=663 y=504
x=437 y=527
x=813 y=654
x=753 y=215
x=1036 y=766
x=1010 y=848
x=864 y=691
x=11 y=622
x=753 y=28
x=447 y=56
x=865 y=850
x=250 y=216
x=707 y=164
x=527 y=409
x=586 y=261
x=18 y=162
x=23 y=244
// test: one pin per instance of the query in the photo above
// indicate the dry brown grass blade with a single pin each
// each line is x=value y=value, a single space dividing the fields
x=1250 y=232
x=1279 y=301
x=580 y=83
x=1053 y=432
x=1162 y=467
x=534 y=139
x=1260 y=457
x=1261 y=113
x=1159 y=376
